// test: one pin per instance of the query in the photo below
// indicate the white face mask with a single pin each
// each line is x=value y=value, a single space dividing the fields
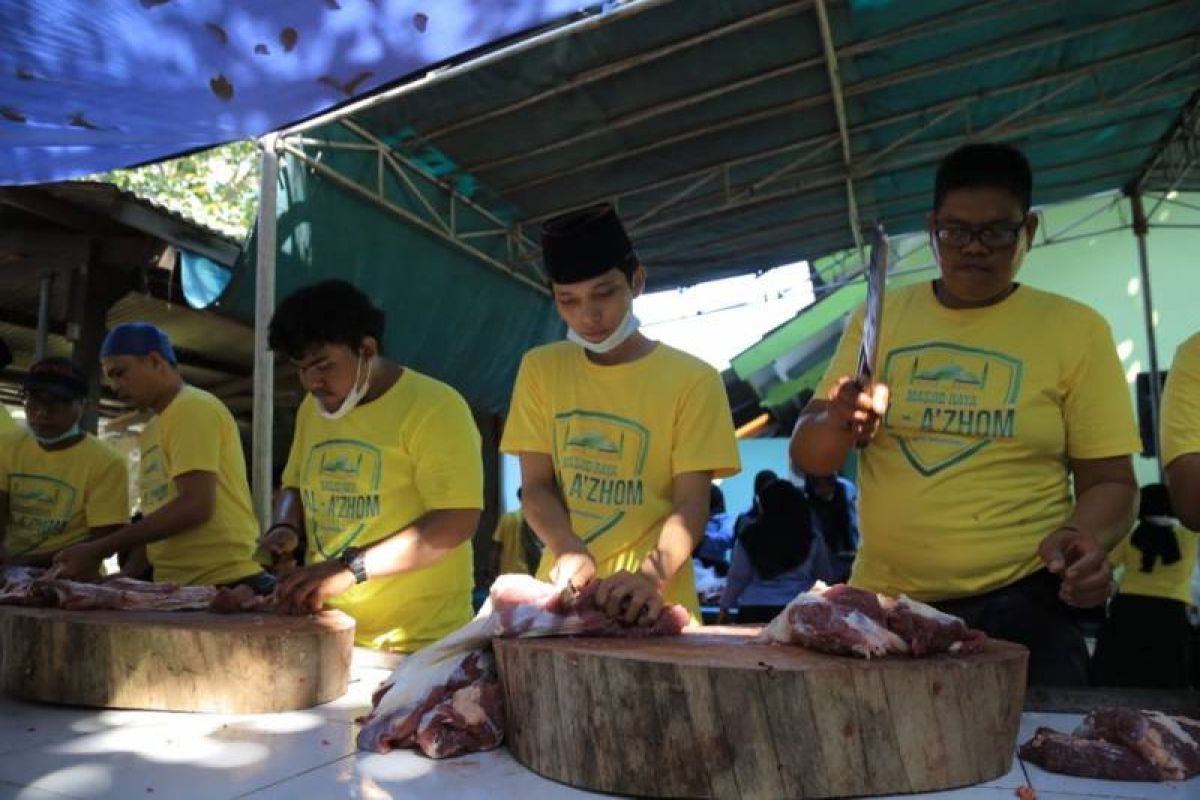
x=629 y=326
x=69 y=433
x=357 y=393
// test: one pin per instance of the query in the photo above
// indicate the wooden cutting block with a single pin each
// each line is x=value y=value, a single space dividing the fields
x=711 y=714
x=175 y=661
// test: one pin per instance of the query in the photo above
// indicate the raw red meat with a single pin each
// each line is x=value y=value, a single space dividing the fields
x=1170 y=744
x=442 y=700
x=14 y=584
x=1121 y=744
x=844 y=620
x=1086 y=758
x=241 y=599
x=31 y=587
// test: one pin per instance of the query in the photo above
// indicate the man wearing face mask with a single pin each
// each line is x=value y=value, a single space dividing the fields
x=1001 y=474
x=198 y=527
x=619 y=436
x=58 y=484
x=384 y=481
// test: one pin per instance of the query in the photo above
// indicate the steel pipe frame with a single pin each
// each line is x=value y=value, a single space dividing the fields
x=263 y=409
x=839 y=110
x=945 y=107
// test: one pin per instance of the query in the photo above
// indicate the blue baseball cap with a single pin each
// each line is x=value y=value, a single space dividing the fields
x=137 y=339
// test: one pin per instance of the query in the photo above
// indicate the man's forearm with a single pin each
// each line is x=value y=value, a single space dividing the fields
x=178 y=516
x=1107 y=511
x=421 y=544
x=546 y=514
x=678 y=539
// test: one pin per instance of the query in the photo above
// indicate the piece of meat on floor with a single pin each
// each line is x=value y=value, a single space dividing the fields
x=470 y=720
x=928 y=631
x=426 y=685
x=1170 y=744
x=1086 y=758
x=816 y=622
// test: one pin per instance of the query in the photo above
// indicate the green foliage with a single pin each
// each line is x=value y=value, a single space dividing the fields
x=217 y=188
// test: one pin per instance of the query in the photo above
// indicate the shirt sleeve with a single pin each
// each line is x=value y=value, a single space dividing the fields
x=291 y=477
x=1097 y=409
x=8 y=443
x=703 y=438
x=192 y=441
x=741 y=573
x=845 y=358
x=447 y=455
x=107 y=500
x=528 y=427
x=1180 y=418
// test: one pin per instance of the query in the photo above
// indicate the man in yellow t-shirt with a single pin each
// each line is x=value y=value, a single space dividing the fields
x=384 y=481
x=993 y=402
x=1146 y=639
x=198 y=527
x=619 y=436
x=1180 y=432
x=58 y=484
x=516 y=548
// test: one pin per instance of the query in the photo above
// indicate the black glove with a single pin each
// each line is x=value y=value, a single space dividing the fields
x=1155 y=542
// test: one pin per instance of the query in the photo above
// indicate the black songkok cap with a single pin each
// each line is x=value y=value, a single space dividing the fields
x=581 y=245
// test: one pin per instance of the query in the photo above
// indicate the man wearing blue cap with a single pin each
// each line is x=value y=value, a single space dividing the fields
x=58 y=484
x=198 y=526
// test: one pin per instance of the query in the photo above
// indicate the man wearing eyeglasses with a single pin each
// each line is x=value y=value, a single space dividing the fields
x=58 y=484
x=996 y=474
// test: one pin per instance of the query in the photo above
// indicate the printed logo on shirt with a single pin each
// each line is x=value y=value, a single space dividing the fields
x=949 y=402
x=341 y=481
x=40 y=507
x=600 y=460
x=154 y=481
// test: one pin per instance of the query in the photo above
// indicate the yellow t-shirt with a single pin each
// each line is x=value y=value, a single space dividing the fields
x=1172 y=581
x=969 y=470
x=55 y=496
x=372 y=473
x=7 y=423
x=508 y=538
x=1180 y=418
x=618 y=436
x=196 y=433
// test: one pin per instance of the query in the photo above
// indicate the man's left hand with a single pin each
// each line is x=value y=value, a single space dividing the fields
x=1082 y=563
x=79 y=562
x=306 y=590
x=630 y=597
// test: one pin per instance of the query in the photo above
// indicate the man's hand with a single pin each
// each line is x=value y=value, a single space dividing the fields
x=1082 y=563
x=860 y=410
x=79 y=562
x=630 y=597
x=279 y=542
x=573 y=570
x=306 y=590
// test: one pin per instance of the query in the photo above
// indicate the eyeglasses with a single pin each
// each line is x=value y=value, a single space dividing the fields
x=990 y=236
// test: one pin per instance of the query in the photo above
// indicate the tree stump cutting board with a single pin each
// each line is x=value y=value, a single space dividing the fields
x=175 y=661
x=711 y=714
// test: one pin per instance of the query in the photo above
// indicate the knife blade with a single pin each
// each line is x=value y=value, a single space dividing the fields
x=876 y=275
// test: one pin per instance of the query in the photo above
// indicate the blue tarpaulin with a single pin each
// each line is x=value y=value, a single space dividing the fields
x=87 y=86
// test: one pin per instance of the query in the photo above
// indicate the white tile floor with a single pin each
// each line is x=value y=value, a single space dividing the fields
x=52 y=753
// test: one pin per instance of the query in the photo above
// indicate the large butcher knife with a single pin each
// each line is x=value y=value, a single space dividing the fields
x=868 y=353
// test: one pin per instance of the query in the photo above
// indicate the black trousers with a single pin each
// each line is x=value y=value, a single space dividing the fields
x=757 y=613
x=1029 y=612
x=1145 y=642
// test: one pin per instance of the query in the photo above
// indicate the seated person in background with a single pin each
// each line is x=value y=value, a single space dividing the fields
x=777 y=557
x=515 y=547
x=1147 y=638
x=713 y=550
x=58 y=484
x=384 y=482
x=997 y=470
x=198 y=527
x=761 y=479
x=834 y=503
x=6 y=421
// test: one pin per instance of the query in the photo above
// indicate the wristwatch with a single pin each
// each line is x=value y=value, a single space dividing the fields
x=354 y=559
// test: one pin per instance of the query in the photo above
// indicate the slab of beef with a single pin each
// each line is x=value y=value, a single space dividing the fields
x=1086 y=758
x=444 y=700
x=241 y=600
x=844 y=620
x=1170 y=744
x=1121 y=744
x=30 y=587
